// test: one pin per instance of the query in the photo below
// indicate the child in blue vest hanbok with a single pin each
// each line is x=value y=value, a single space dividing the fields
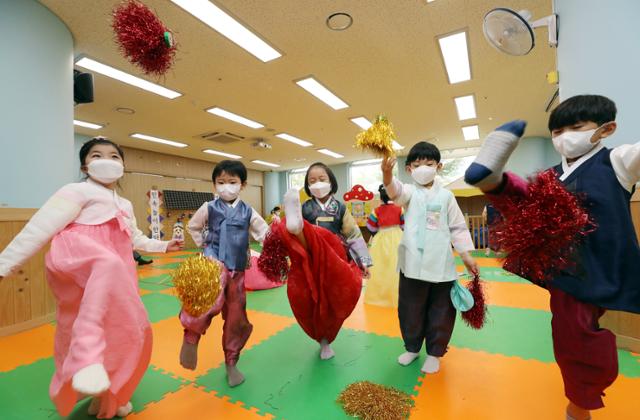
x=433 y=222
x=229 y=222
x=604 y=273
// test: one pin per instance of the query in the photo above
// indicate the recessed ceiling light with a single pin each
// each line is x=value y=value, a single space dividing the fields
x=86 y=124
x=315 y=88
x=230 y=28
x=471 y=132
x=466 y=107
x=215 y=152
x=396 y=145
x=299 y=170
x=361 y=122
x=456 y=56
x=339 y=21
x=234 y=117
x=262 y=162
x=292 y=139
x=330 y=153
x=127 y=78
x=127 y=111
x=158 y=140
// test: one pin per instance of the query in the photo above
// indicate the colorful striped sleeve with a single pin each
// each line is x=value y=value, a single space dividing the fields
x=372 y=222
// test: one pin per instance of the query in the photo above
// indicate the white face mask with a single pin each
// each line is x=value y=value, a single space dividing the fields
x=106 y=171
x=573 y=144
x=228 y=192
x=424 y=174
x=320 y=189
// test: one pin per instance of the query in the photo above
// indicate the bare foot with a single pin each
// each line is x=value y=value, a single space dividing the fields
x=575 y=412
x=189 y=355
x=234 y=376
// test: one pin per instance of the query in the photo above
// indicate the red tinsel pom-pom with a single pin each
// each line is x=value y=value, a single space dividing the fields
x=541 y=231
x=143 y=38
x=476 y=316
x=273 y=260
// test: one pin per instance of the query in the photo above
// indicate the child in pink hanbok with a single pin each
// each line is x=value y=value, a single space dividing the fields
x=103 y=336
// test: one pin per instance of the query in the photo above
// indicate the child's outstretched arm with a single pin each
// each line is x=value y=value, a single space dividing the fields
x=258 y=227
x=196 y=225
x=60 y=210
x=398 y=192
x=460 y=236
x=625 y=160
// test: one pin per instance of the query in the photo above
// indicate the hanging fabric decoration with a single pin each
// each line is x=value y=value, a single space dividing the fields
x=540 y=232
x=143 y=38
x=378 y=138
x=155 y=217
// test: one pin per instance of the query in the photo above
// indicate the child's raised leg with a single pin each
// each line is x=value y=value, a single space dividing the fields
x=293 y=215
x=487 y=169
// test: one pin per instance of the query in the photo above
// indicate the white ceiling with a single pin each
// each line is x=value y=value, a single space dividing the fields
x=387 y=62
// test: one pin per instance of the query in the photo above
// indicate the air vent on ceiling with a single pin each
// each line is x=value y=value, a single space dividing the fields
x=221 y=137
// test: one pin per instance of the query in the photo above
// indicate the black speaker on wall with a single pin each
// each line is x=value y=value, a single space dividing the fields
x=82 y=87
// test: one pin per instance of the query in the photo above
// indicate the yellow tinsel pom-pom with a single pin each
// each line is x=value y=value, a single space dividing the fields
x=197 y=283
x=368 y=401
x=378 y=138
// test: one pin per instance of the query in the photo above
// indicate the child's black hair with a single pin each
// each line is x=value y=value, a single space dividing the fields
x=332 y=178
x=594 y=108
x=231 y=167
x=276 y=208
x=383 y=194
x=88 y=145
x=423 y=150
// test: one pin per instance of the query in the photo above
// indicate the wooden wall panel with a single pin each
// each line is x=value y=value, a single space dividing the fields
x=25 y=298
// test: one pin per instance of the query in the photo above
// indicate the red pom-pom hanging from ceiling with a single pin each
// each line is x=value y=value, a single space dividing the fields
x=540 y=232
x=476 y=316
x=143 y=38
x=273 y=260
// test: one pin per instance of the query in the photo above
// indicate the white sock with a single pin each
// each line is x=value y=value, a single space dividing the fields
x=293 y=211
x=431 y=365
x=91 y=380
x=407 y=357
x=125 y=410
x=488 y=166
x=326 y=352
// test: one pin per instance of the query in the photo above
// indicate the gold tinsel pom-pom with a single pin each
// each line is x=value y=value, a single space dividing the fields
x=197 y=283
x=378 y=138
x=368 y=401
